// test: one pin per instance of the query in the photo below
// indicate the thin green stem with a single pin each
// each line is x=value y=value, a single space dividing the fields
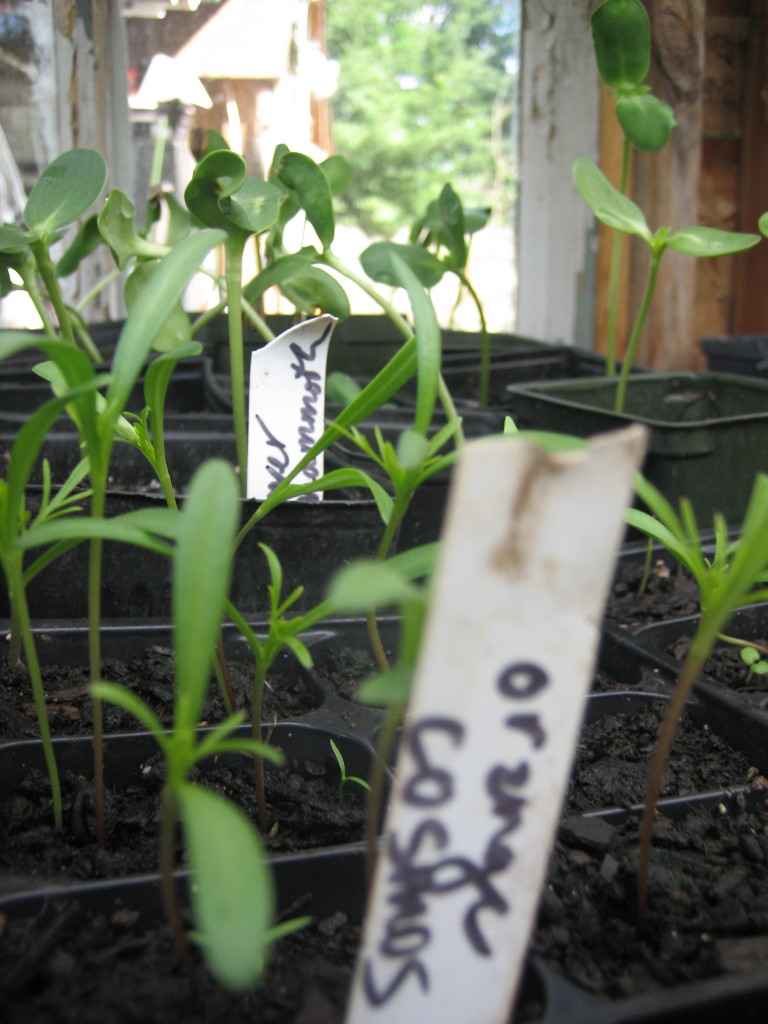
x=738 y=642
x=233 y=249
x=28 y=275
x=613 y=285
x=378 y=781
x=692 y=665
x=637 y=330
x=257 y=701
x=485 y=341
x=23 y=622
x=98 y=288
x=94 y=657
x=48 y=274
x=167 y=864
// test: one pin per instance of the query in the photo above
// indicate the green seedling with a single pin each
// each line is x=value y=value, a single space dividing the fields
x=283 y=632
x=343 y=770
x=98 y=417
x=62 y=194
x=621 y=34
x=222 y=195
x=15 y=521
x=367 y=586
x=617 y=211
x=439 y=244
x=756 y=664
x=231 y=889
x=737 y=575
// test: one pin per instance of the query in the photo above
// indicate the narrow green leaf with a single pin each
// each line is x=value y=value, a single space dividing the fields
x=150 y=310
x=428 y=344
x=453 y=229
x=201 y=573
x=232 y=890
x=390 y=688
x=365 y=585
x=128 y=701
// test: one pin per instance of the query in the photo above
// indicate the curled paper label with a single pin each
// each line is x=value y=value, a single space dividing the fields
x=287 y=406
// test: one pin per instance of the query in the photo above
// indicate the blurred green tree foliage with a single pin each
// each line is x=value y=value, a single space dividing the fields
x=425 y=95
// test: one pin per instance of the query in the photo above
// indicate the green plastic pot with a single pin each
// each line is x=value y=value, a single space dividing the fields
x=708 y=431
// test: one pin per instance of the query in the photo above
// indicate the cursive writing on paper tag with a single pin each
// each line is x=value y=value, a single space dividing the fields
x=287 y=406
x=505 y=667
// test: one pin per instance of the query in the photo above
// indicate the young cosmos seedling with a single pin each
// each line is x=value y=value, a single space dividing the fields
x=439 y=244
x=14 y=522
x=97 y=418
x=366 y=586
x=231 y=884
x=736 y=576
x=621 y=34
x=343 y=770
x=282 y=632
x=617 y=211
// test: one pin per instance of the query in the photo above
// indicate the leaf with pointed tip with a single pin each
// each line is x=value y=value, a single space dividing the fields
x=452 y=227
x=606 y=202
x=703 y=241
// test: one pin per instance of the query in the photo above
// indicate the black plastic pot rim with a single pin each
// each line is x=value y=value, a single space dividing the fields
x=565 y=393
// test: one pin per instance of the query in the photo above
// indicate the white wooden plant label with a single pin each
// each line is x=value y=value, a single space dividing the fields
x=507 y=658
x=287 y=406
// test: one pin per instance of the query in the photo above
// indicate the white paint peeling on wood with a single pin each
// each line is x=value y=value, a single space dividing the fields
x=559 y=121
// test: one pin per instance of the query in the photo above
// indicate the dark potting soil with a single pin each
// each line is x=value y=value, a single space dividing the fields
x=707 y=904
x=96 y=970
x=725 y=664
x=612 y=757
x=669 y=593
x=287 y=695
x=707 y=915
x=89 y=969
x=305 y=811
